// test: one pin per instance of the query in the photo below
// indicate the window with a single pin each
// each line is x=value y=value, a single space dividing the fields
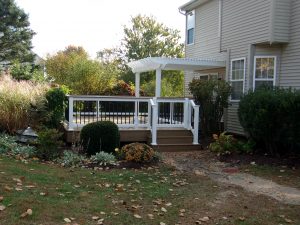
x=264 y=71
x=237 y=78
x=190 y=27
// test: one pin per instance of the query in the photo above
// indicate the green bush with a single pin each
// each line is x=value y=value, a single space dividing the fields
x=7 y=143
x=225 y=144
x=24 y=152
x=48 y=144
x=21 y=71
x=9 y=146
x=271 y=118
x=100 y=136
x=136 y=152
x=103 y=158
x=212 y=95
x=55 y=106
x=71 y=159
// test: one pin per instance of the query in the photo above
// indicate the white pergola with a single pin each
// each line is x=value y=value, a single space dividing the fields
x=162 y=63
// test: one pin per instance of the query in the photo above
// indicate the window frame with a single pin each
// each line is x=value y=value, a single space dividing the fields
x=265 y=79
x=192 y=27
x=238 y=80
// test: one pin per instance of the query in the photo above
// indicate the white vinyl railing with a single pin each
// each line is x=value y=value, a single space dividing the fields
x=133 y=112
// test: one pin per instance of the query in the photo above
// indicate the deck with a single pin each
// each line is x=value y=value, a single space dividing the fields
x=164 y=123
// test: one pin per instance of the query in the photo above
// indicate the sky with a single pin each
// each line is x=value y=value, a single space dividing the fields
x=92 y=24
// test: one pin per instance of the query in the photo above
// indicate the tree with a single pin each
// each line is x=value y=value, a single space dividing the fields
x=73 y=68
x=15 y=33
x=145 y=37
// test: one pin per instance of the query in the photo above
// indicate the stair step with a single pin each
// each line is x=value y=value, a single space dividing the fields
x=176 y=147
x=175 y=140
x=183 y=132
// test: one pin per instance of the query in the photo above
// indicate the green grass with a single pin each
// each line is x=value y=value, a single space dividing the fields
x=83 y=193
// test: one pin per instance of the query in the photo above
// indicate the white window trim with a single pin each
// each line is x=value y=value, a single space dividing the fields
x=244 y=80
x=186 y=30
x=265 y=79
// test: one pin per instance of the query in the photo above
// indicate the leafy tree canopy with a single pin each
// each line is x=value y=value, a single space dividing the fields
x=145 y=37
x=73 y=67
x=15 y=33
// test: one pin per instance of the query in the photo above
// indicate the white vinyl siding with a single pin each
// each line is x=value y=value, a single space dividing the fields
x=264 y=71
x=237 y=78
x=206 y=36
x=290 y=58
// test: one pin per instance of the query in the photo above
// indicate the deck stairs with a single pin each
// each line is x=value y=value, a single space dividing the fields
x=174 y=140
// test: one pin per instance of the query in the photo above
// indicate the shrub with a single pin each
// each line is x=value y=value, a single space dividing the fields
x=227 y=144
x=7 y=143
x=271 y=118
x=17 y=100
x=121 y=88
x=55 y=106
x=9 y=146
x=24 y=152
x=21 y=71
x=71 y=159
x=103 y=158
x=137 y=152
x=48 y=144
x=224 y=144
x=212 y=95
x=100 y=136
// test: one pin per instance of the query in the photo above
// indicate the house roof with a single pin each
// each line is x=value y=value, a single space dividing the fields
x=153 y=63
x=192 y=5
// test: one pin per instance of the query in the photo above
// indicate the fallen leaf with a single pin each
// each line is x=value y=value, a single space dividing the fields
x=204 y=219
x=288 y=220
x=151 y=216
x=29 y=212
x=2 y=207
x=162 y=223
x=7 y=188
x=95 y=217
x=163 y=209
x=137 y=216
x=67 y=220
x=241 y=218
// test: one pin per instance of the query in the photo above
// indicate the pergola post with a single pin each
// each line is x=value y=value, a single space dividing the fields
x=158 y=83
x=137 y=85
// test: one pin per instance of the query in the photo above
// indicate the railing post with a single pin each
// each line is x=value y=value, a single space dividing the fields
x=136 y=114
x=149 y=114
x=186 y=113
x=71 y=112
x=154 y=122
x=196 y=125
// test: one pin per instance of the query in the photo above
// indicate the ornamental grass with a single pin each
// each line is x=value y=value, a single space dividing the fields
x=17 y=98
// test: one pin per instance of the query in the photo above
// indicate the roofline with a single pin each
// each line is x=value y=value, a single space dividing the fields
x=192 y=5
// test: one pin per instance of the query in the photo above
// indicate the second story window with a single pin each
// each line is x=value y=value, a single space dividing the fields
x=190 y=27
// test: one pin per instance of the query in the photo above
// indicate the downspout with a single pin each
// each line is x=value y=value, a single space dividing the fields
x=220 y=25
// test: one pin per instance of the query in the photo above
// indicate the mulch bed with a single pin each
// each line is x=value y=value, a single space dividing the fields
x=243 y=159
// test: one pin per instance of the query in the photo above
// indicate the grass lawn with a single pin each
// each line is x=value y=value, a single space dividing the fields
x=279 y=174
x=149 y=196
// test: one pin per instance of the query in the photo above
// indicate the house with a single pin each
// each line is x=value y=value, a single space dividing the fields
x=258 y=40
x=247 y=42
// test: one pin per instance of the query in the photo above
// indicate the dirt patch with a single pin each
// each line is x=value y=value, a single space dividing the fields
x=204 y=163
